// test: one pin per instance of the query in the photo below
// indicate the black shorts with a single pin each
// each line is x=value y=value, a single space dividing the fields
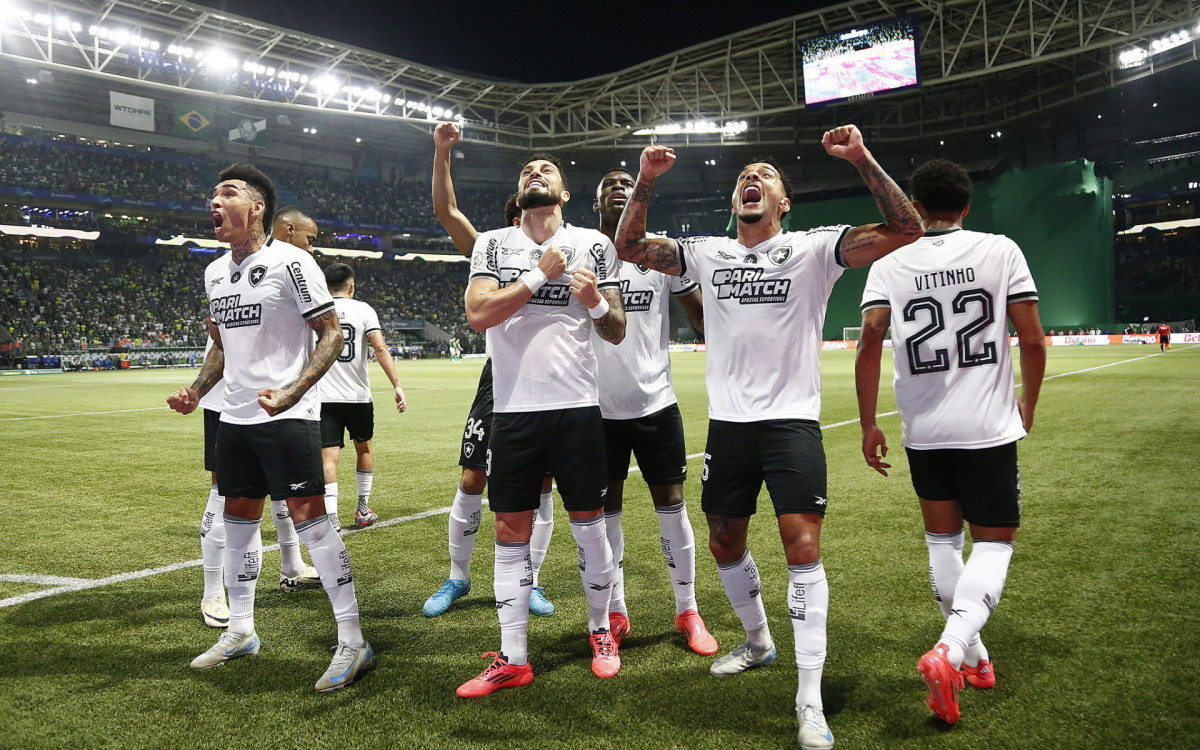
x=525 y=446
x=785 y=453
x=479 y=424
x=212 y=419
x=281 y=458
x=1164 y=338
x=337 y=419
x=985 y=482
x=656 y=440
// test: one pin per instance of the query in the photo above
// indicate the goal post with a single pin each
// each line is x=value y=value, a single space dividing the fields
x=851 y=333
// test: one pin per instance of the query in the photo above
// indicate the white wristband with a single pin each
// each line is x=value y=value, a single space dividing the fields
x=600 y=310
x=534 y=279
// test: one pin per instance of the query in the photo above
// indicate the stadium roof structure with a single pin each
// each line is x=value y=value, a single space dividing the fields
x=984 y=63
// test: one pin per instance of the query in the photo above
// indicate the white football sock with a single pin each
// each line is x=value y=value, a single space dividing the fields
x=595 y=568
x=743 y=589
x=945 y=567
x=466 y=513
x=332 y=561
x=363 y=480
x=331 y=500
x=212 y=544
x=808 y=606
x=543 y=529
x=290 y=561
x=513 y=582
x=977 y=594
x=678 y=543
x=243 y=561
x=616 y=545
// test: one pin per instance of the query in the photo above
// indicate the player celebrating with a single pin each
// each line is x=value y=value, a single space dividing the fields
x=294 y=226
x=466 y=512
x=960 y=416
x=641 y=417
x=265 y=297
x=346 y=403
x=765 y=299
x=538 y=290
x=1164 y=338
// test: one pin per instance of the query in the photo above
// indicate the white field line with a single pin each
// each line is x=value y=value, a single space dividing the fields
x=80 y=414
x=80 y=584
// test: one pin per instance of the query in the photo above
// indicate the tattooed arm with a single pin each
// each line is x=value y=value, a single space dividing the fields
x=902 y=225
x=659 y=253
x=329 y=345
x=611 y=325
x=185 y=400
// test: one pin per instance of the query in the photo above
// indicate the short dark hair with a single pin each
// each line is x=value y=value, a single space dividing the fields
x=259 y=182
x=941 y=187
x=338 y=275
x=511 y=210
x=540 y=155
x=787 y=182
x=290 y=210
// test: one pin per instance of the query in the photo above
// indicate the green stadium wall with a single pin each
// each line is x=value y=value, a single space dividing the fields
x=1059 y=214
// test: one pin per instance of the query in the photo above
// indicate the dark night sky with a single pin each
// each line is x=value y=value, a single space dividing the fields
x=517 y=40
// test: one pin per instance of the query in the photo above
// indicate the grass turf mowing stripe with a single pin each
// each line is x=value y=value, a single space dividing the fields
x=79 y=584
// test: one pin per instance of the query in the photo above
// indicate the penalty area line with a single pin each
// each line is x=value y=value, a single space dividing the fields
x=68 y=585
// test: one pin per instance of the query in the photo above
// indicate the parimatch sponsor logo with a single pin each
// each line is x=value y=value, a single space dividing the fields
x=554 y=295
x=231 y=313
x=636 y=300
x=748 y=287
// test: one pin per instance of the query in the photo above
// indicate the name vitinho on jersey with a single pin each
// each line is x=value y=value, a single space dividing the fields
x=944 y=278
x=636 y=300
x=231 y=313
x=748 y=287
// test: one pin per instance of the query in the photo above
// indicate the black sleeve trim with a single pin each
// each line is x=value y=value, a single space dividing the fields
x=317 y=311
x=687 y=290
x=372 y=330
x=484 y=275
x=1023 y=297
x=876 y=304
x=612 y=284
x=839 y=254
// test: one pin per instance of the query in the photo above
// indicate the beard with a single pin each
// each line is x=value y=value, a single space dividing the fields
x=752 y=217
x=537 y=198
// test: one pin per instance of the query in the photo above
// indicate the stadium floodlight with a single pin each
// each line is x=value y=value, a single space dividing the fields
x=437 y=112
x=458 y=117
x=221 y=61
x=1133 y=57
x=327 y=84
x=31 y=81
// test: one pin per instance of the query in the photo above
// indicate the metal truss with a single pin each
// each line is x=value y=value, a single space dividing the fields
x=983 y=62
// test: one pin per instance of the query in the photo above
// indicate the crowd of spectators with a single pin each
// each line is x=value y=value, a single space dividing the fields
x=1158 y=263
x=59 y=296
x=46 y=165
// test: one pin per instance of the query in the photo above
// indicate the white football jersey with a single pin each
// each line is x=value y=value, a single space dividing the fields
x=346 y=381
x=635 y=375
x=216 y=395
x=948 y=293
x=261 y=308
x=542 y=356
x=764 y=308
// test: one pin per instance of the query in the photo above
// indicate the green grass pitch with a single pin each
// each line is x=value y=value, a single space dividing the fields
x=1096 y=641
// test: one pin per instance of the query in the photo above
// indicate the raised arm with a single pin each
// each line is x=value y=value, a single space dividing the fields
x=866 y=384
x=329 y=345
x=659 y=253
x=488 y=305
x=1032 y=342
x=445 y=205
x=902 y=224
x=384 y=358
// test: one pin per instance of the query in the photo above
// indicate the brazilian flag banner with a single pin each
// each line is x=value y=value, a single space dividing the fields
x=193 y=120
